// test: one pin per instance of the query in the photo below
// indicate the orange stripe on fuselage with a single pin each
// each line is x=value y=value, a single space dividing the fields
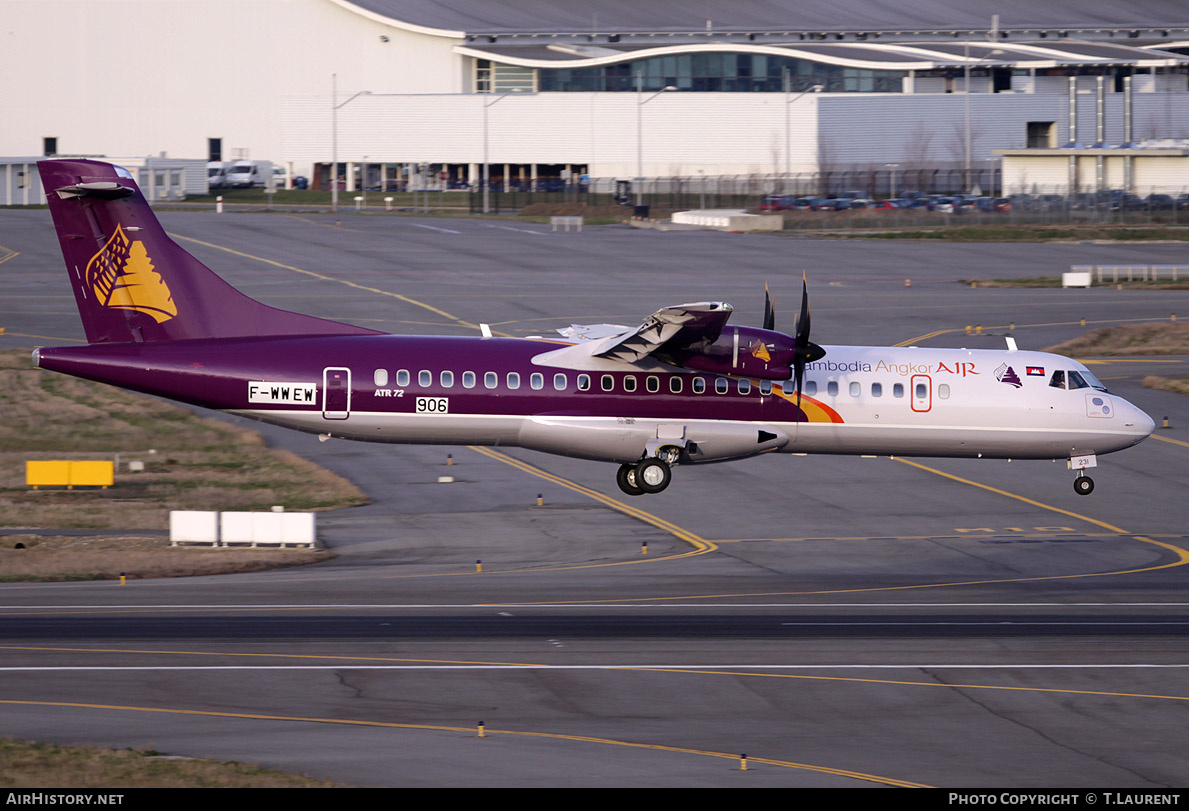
x=814 y=410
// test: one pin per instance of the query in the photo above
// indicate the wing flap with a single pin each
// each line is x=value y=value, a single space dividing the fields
x=683 y=327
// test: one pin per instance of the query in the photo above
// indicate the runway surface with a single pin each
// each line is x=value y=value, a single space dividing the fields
x=840 y=621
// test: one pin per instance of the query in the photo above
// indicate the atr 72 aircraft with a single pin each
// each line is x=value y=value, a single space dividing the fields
x=682 y=388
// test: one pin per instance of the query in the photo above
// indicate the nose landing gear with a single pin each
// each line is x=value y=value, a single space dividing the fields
x=1083 y=485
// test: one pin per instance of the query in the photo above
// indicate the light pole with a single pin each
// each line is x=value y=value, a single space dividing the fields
x=640 y=102
x=334 y=137
x=892 y=182
x=486 y=166
x=788 y=104
x=966 y=96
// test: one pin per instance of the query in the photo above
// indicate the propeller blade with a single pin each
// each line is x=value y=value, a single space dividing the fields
x=769 y=310
x=803 y=321
x=806 y=351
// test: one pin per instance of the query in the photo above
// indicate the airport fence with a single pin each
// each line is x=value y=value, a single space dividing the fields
x=1033 y=205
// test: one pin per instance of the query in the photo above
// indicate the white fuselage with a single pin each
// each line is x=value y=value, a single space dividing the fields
x=857 y=400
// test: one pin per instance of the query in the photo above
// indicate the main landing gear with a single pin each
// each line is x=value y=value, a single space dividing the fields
x=650 y=475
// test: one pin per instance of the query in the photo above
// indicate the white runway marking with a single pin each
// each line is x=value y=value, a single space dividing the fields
x=434 y=228
x=351 y=666
x=521 y=230
x=572 y=606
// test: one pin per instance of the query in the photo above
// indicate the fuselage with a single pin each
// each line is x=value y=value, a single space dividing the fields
x=524 y=392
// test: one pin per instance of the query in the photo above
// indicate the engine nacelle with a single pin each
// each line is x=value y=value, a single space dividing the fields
x=743 y=351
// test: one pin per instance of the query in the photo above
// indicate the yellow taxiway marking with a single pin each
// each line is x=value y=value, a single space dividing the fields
x=870 y=778
x=8 y=253
x=337 y=226
x=325 y=278
x=1173 y=441
x=43 y=337
x=694 y=670
x=1182 y=557
x=1104 y=361
x=1006 y=327
x=303 y=656
x=700 y=544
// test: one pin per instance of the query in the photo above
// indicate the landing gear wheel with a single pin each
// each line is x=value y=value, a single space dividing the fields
x=653 y=475
x=626 y=479
x=1083 y=485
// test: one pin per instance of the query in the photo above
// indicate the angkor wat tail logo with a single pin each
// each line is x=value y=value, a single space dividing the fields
x=122 y=276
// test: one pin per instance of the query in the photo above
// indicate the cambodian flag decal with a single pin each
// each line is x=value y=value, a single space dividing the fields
x=1038 y=371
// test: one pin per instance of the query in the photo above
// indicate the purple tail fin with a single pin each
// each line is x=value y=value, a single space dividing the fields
x=133 y=283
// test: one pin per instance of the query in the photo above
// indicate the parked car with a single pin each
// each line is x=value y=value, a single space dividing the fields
x=1161 y=202
x=778 y=202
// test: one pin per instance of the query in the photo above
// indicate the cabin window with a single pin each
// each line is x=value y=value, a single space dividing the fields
x=675 y=384
x=699 y=385
x=652 y=383
x=744 y=386
x=380 y=378
x=629 y=383
x=490 y=380
x=721 y=385
x=607 y=382
x=425 y=378
x=810 y=387
x=1057 y=381
x=877 y=389
x=921 y=391
x=537 y=381
x=583 y=382
x=898 y=390
x=765 y=387
x=446 y=379
x=468 y=380
x=560 y=383
x=856 y=389
x=832 y=388
x=513 y=380
x=402 y=378
x=943 y=391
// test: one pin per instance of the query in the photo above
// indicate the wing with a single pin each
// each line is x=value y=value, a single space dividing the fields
x=685 y=327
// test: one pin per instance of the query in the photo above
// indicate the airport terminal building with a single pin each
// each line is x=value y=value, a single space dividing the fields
x=429 y=91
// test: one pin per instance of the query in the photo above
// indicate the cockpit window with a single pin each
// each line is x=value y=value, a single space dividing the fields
x=1093 y=381
x=1057 y=381
x=1076 y=381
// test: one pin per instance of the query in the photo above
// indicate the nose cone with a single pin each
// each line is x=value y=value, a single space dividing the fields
x=1136 y=421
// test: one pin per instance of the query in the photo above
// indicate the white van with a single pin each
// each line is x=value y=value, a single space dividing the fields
x=216 y=174
x=249 y=174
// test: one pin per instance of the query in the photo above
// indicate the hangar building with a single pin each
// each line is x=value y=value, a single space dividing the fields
x=432 y=89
